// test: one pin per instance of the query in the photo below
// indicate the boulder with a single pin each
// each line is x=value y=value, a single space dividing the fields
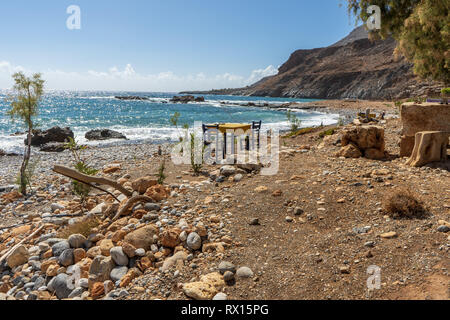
x=199 y=290
x=194 y=241
x=142 y=184
x=53 y=147
x=421 y=117
x=227 y=171
x=60 y=285
x=55 y=134
x=77 y=240
x=142 y=238
x=170 y=238
x=119 y=257
x=66 y=258
x=100 y=269
x=186 y=99
x=365 y=137
x=103 y=134
x=17 y=257
x=171 y=261
x=118 y=273
x=59 y=247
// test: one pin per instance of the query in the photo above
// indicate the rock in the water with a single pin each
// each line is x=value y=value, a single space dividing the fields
x=77 y=241
x=118 y=273
x=55 y=134
x=194 y=241
x=103 y=134
x=118 y=256
x=18 y=256
x=244 y=272
x=186 y=99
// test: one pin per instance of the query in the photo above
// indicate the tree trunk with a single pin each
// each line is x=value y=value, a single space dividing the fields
x=430 y=146
x=23 y=168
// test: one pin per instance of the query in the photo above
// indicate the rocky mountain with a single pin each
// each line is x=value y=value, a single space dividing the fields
x=354 y=68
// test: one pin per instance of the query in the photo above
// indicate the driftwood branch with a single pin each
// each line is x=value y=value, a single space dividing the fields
x=5 y=256
x=130 y=204
x=75 y=175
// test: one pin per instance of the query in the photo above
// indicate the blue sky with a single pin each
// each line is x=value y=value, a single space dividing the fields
x=162 y=45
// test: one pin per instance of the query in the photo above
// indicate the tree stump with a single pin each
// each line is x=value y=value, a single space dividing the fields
x=430 y=146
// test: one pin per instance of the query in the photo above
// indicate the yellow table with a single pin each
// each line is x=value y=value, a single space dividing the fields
x=225 y=127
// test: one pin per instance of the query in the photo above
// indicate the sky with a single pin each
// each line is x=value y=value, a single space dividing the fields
x=161 y=45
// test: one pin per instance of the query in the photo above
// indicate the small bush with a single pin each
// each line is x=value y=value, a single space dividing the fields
x=404 y=204
x=329 y=132
x=445 y=91
x=299 y=132
x=83 y=227
x=161 y=175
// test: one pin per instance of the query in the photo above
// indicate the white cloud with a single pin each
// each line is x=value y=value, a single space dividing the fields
x=261 y=73
x=127 y=79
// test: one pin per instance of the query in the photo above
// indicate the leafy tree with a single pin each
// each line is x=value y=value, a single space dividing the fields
x=422 y=29
x=294 y=121
x=25 y=105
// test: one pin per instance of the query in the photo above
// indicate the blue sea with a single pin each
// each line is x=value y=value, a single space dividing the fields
x=144 y=121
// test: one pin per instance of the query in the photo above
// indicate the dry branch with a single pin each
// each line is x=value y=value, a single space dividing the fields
x=74 y=174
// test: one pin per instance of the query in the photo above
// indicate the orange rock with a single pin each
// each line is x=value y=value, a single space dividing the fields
x=277 y=193
x=97 y=290
x=11 y=197
x=105 y=246
x=158 y=193
x=52 y=270
x=5 y=287
x=85 y=264
x=141 y=185
x=112 y=169
x=170 y=238
x=144 y=264
x=78 y=255
x=216 y=246
x=131 y=274
x=46 y=264
x=20 y=230
x=138 y=214
x=118 y=236
x=47 y=254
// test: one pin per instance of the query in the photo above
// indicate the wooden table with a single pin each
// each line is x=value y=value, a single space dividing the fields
x=232 y=128
x=225 y=128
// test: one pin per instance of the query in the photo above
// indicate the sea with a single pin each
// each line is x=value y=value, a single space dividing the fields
x=145 y=121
